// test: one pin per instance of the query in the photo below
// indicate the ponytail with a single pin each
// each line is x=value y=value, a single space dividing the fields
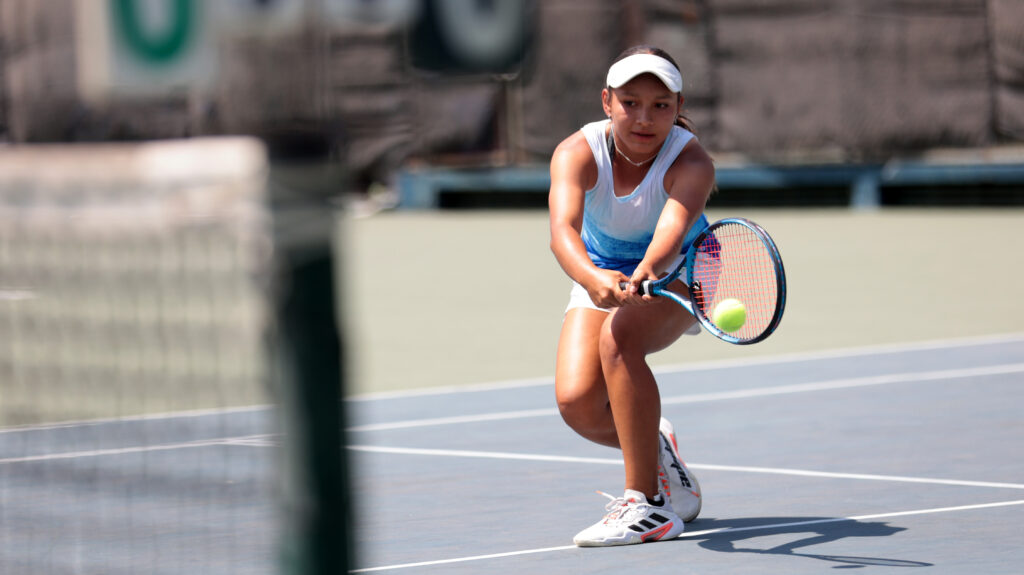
x=685 y=123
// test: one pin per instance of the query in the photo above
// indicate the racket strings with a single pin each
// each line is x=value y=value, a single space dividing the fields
x=734 y=263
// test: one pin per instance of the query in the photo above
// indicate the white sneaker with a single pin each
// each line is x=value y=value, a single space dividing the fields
x=631 y=519
x=677 y=482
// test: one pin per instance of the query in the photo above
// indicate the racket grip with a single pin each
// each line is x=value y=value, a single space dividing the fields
x=645 y=287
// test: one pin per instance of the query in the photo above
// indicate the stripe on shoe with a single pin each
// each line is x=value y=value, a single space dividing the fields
x=657 y=534
x=644 y=524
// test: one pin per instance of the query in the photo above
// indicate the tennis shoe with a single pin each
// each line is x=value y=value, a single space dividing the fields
x=677 y=482
x=631 y=519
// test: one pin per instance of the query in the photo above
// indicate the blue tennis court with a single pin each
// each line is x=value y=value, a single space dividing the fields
x=898 y=456
x=903 y=456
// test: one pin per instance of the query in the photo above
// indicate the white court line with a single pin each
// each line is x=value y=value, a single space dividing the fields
x=483 y=454
x=128 y=418
x=245 y=440
x=710 y=467
x=719 y=396
x=862 y=476
x=532 y=382
x=713 y=364
x=502 y=415
x=253 y=441
x=850 y=382
x=705 y=533
x=463 y=559
x=853 y=518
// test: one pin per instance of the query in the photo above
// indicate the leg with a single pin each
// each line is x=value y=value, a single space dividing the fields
x=579 y=381
x=627 y=336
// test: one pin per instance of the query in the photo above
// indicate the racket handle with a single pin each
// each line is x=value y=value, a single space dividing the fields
x=645 y=287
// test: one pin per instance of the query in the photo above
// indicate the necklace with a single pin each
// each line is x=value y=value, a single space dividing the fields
x=611 y=143
x=637 y=164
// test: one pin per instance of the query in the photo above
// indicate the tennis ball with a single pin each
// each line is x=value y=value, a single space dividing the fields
x=729 y=315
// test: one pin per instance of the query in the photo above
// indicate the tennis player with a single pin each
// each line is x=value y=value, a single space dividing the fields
x=627 y=198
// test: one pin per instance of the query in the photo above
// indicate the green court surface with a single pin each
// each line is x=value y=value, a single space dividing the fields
x=452 y=298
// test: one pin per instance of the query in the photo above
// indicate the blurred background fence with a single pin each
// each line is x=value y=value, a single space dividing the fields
x=767 y=82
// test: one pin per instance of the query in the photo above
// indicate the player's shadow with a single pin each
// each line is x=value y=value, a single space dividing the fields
x=807 y=531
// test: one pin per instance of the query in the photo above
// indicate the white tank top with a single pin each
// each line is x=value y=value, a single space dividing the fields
x=618 y=230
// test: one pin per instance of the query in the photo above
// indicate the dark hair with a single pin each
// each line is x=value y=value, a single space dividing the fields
x=681 y=120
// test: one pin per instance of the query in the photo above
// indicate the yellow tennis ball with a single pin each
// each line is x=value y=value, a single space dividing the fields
x=729 y=315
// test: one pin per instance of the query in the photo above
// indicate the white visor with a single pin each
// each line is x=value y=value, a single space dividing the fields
x=632 y=66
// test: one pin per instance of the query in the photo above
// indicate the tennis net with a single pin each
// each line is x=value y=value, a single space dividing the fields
x=134 y=313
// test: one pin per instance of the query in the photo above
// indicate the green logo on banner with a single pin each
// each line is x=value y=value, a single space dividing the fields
x=160 y=47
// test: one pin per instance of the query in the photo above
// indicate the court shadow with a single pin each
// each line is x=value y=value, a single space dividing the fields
x=807 y=532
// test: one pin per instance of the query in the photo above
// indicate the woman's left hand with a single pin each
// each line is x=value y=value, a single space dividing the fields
x=640 y=275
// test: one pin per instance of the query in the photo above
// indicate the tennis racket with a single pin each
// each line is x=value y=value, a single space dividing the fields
x=733 y=258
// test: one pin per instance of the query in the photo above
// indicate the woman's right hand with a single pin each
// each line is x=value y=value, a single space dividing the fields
x=604 y=289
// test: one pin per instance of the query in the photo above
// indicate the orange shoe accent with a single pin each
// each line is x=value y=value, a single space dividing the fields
x=657 y=533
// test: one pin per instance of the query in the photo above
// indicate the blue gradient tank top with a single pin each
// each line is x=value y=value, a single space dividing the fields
x=617 y=231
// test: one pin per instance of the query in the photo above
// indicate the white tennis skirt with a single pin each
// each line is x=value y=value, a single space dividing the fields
x=579 y=298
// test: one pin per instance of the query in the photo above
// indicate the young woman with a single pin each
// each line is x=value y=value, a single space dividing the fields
x=627 y=198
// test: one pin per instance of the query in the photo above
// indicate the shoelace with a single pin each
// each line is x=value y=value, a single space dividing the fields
x=618 y=507
x=614 y=508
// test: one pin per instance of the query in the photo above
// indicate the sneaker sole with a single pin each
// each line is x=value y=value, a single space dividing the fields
x=665 y=533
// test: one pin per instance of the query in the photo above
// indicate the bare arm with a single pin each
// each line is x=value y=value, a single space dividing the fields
x=573 y=172
x=689 y=183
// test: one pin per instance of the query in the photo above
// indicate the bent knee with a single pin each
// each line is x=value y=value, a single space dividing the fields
x=616 y=346
x=581 y=406
x=573 y=403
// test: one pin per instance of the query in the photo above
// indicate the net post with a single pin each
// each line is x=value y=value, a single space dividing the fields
x=308 y=354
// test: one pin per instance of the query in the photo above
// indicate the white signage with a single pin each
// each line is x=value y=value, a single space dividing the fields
x=153 y=47
x=142 y=47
